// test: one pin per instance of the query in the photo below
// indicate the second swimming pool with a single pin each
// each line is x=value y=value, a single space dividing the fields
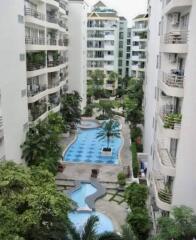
x=87 y=149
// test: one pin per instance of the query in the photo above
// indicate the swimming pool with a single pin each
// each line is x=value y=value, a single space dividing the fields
x=79 y=196
x=79 y=218
x=87 y=149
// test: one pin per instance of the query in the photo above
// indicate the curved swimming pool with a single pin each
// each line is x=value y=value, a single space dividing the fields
x=79 y=218
x=87 y=149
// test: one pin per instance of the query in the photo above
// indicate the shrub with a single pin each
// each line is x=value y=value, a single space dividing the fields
x=135 y=133
x=136 y=195
x=139 y=147
x=121 y=179
x=135 y=163
x=88 y=110
x=140 y=222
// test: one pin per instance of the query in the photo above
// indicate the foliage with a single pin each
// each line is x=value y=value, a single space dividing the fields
x=102 y=117
x=41 y=147
x=121 y=179
x=89 y=232
x=171 y=119
x=105 y=107
x=109 y=129
x=133 y=102
x=70 y=108
x=97 y=78
x=127 y=233
x=136 y=195
x=88 y=110
x=30 y=206
x=140 y=222
x=135 y=133
x=181 y=225
x=135 y=162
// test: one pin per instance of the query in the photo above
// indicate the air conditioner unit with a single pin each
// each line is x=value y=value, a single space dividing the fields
x=172 y=57
x=175 y=18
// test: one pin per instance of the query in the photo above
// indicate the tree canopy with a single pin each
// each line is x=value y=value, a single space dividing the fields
x=30 y=206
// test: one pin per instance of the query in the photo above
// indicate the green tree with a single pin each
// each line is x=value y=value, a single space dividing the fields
x=109 y=129
x=97 y=79
x=30 y=206
x=70 y=108
x=105 y=107
x=41 y=146
x=181 y=225
x=140 y=222
x=136 y=195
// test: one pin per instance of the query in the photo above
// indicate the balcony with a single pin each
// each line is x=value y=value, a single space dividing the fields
x=35 y=40
x=34 y=13
x=163 y=196
x=36 y=110
x=35 y=89
x=35 y=61
x=52 y=41
x=171 y=123
x=63 y=42
x=54 y=101
x=175 y=5
x=172 y=84
x=167 y=163
x=175 y=42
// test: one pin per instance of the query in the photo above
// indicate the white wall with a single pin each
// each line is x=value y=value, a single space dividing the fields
x=185 y=181
x=151 y=80
x=78 y=47
x=13 y=77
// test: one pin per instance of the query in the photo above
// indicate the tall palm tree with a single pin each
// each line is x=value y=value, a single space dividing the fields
x=109 y=129
x=89 y=232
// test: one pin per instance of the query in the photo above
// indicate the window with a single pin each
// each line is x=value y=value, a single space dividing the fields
x=20 y=19
x=185 y=21
x=22 y=57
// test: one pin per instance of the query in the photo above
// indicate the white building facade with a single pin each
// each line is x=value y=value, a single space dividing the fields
x=78 y=48
x=122 y=46
x=128 y=53
x=170 y=116
x=139 y=46
x=34 y=46
x=103 y=41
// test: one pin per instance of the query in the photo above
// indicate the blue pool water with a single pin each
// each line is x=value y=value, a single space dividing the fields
x=80 y=218
x=87 y=149
x=79 y=195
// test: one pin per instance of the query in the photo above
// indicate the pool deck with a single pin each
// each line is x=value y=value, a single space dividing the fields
x=107 y=173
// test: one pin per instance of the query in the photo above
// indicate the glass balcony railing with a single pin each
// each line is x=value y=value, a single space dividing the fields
x=34 y=13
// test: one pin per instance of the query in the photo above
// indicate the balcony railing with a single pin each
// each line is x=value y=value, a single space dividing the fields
x=36 y=89
x=52 y=41
x=53 y=63
x=53 y=84
x=34 y=13
x=36 y=110
x=165 y=157
x=63 y=42
x=35 y=66
x=176 y=37
x=164 y=193
x=52 y=19
x=173 y=80
x=35 y=40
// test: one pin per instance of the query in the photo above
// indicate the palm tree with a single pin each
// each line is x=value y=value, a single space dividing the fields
x=89 y=232
x=109 y=129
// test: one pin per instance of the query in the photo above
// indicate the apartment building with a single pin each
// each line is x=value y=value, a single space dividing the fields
x=103 y=41
x=170 y=116
x=139 y=46
x=128 y=53
x=122 y=46
x=35 y=64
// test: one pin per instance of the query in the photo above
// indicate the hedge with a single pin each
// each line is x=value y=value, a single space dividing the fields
x=135 y=162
